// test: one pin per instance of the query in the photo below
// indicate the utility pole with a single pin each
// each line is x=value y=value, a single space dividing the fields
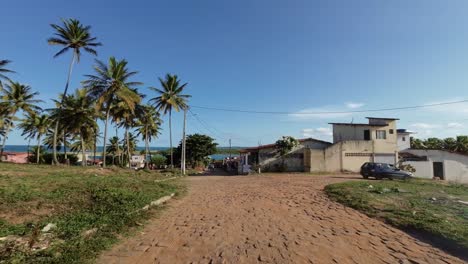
x=182 y=163
x=230 y=147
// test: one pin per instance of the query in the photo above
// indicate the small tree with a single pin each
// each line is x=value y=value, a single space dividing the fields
x=283 y=146
x=198 y=148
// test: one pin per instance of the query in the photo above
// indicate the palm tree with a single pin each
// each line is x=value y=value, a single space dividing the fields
x=77 y=117
x=129 y=143
x=4 y=70
x=170 y=97
x=127 y=118
x=149 y=123
x=71 y=35
x=461 y=144
x=110 y=84
x=114 y=148
x=16 y=97
x=35 y=125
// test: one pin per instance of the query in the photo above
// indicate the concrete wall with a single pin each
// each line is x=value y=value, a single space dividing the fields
x=455 y=165
x=343 y=156
x=423 y=168
x=406 y=144
x=348 y=132
x=356 y=133
x=270 y=161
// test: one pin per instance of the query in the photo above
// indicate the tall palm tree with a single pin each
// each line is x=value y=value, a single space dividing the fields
x=170 y=97
x=35 y=125
x=71 y=35
x=110 y=84
x=4 y=71
x=16 y=97
x=149 y=123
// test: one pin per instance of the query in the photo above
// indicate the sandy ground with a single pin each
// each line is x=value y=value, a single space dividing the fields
x=268 y=219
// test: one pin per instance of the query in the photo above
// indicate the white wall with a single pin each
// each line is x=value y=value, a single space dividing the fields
x=403 y=144
x=455 y=165
x=423 y=168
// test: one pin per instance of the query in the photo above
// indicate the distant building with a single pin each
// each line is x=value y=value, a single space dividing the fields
x=266 y=157
x=353 y=145
x=15 y=157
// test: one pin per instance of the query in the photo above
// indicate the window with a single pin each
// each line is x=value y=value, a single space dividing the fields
x=380 y=134
x=403 y=139
x=366 y=134
x=390 y=131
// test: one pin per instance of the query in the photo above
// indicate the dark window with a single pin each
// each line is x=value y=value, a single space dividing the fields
x=366 y=134
x=403 y=138
x=390 y=131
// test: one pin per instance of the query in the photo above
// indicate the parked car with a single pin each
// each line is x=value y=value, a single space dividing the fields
x=383 y=170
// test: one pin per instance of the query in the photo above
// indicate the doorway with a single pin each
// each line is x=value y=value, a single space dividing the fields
x=438 y=170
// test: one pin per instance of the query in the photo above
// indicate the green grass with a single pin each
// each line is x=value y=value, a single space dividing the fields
x=75 y=199
x=428 y=206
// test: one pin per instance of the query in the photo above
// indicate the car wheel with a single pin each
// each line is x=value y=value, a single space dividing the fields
x=365 y=176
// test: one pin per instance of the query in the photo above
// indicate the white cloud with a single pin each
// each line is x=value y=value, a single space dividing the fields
x=320 y=133
x=319 y=113
x=455 y=125
x=423 y=126
x=455 y=109
x=353 y=105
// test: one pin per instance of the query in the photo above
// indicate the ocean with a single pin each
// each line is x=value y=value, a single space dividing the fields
x=24 y=148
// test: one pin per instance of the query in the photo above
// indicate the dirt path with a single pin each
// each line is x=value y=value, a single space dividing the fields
x=271 y=219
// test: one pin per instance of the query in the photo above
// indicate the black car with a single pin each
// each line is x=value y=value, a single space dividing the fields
x=383 y=170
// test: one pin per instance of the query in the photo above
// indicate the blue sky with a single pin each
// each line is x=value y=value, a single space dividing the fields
x=264 y=55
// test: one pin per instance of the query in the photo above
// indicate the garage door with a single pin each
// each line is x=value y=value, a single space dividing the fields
x=385 y=158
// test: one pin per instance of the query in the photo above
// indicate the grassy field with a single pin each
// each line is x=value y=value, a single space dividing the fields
x=429 y=207
x=88 y=207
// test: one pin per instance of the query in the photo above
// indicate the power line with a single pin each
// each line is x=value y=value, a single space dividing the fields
x=327 y=112
x=206 y=126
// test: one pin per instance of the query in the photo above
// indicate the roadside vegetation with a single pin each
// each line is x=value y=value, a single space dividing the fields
x=52 y=214
x=431 y=208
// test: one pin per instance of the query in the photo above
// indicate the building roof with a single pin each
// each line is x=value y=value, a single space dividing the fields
x=273 y=145
x=383 y=118
x=358 y=124
x=404 y=131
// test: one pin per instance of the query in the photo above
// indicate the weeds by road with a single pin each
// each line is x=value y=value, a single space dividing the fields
x=69 y=214
x=436 y=208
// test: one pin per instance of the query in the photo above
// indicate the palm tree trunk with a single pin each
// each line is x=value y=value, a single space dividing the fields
x=105 y=138
x=29 y=144
x=70 y=69
x=147 y=149
x=95 y=148
x=83 y=152
x=128 y=147
x=38 y=149
x=65 y=147
x=95 y=142
x=170 y=137
x=7 y=130
x=118 y=147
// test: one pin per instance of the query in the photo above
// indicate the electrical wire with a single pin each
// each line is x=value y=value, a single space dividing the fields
x=328 y=112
